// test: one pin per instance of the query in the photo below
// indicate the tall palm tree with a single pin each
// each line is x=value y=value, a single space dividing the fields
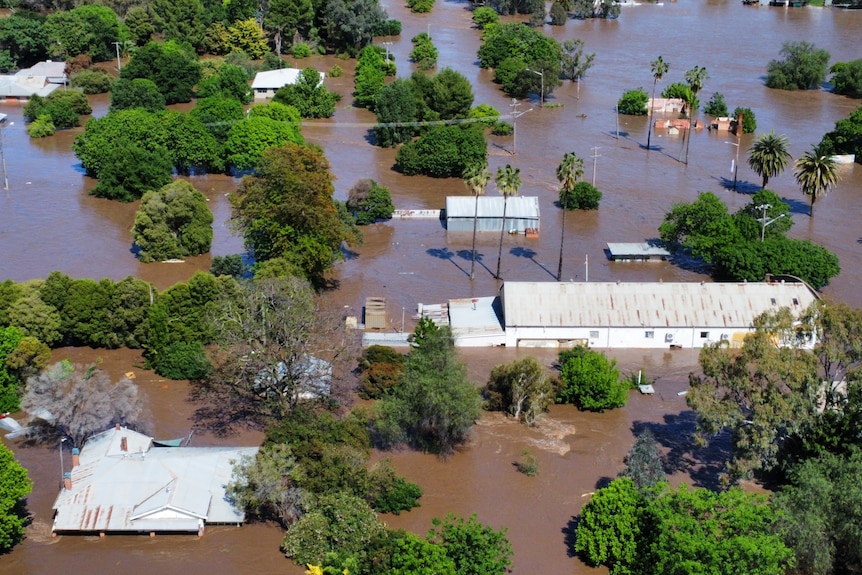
x=815 y=172
x=508 y=181
x=695 y=79
x=570 y=170
x=659 y=68
x=476 y=177
x=768 y=155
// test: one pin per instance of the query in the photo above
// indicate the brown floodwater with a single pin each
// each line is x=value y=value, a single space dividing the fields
x=48 y=222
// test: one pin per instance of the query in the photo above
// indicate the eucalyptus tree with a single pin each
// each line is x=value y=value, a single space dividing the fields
x=476 y=177
x=508 y=181
x=768 y=155
x=659 y=68
x=570 y=170
x=695 y=79
x=815 y=173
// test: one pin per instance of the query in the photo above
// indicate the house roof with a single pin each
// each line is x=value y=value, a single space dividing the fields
x=274 y=79
x=649 y=304
x=145 y=488
x=41 y=79
x=642 y=249
x=517 y=207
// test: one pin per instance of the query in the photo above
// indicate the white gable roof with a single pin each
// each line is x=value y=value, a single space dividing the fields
x=275 y=79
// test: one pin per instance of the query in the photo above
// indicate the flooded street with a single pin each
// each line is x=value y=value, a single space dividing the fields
x=48 y=222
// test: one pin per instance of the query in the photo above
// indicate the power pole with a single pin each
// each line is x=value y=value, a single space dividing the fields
x=515 y=115
x=595 y=157
x=119 y=65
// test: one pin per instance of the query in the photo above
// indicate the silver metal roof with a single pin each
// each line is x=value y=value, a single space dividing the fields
x=692 y=304
x=492 y=207
x=642 y=249
x=274 y=79
x=147 y=489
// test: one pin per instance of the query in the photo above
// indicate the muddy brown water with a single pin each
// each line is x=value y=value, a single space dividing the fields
x=48 y=222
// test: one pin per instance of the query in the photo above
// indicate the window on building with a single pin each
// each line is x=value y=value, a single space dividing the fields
x=649 y=334
x=594 y=335
x=704 y=335
x=724 y=337
x=795 y=301
x=772 y=299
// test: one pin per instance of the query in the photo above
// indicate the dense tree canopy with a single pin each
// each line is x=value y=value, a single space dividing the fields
x=591 y=381
x=803 y=67
x=173 y=69
x=137 y=93
x=633 y=102
x=847 y=78
x=15 y=485
x=308 y=95
x=846 y=138
x=349 y=25
x=521 y=388
x=369 y=202
x=248 y=139
x=180 y=20
x=286 y=210
x=173 y=222
x=443 y=151
x=89 y=29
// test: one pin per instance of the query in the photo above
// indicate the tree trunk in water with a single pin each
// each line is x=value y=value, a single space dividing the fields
x=502 y=231
x=649 y=118
x=473 y=253
x=562 y=239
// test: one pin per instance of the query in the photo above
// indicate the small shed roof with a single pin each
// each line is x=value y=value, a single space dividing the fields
x=517 y=207
x=274 y=79
x=637 y=250
x=649 y=304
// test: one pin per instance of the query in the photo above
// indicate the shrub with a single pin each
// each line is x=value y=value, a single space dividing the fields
x=369 y=202
x=633 y=103
x=183 y=360
x=558 y=13
x=381 y=368
x=591 y=381
x=41 y=127
x=420 y=6
x=528 y=464
x=847 y=78
x=484 y=15
x=443 y=152
x=92 y=81
x=583 y=196
x=389 y=493
x=335 y=72
x=424 y=52
x=231 y=265
x=716 y=106
x=389 y=28
x=301 y=50
x=749 y=123
x=803 y=67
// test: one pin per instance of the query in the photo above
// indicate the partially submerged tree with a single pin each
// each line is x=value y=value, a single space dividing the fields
x=15 y=485
x=816 y=172
x=768 y=155
x=265 y=485
x=476 y=549
x=75 y=401
x=644 y=463
x=369 y=202
x=521 y=388
x=173 y=222
x=803 y=67
x=591 y=381
x=659 y=68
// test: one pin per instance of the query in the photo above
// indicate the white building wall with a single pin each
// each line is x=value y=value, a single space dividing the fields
x=623 y=337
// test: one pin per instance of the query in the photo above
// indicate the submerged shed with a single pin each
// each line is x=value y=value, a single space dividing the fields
x=522 y=213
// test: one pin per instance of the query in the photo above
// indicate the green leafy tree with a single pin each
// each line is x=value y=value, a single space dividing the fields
x=285 y=18
x=350 y=26
x=249 y=139
x=424 y=53
x=180 y=20
x=610 y=525
x=24 y=34
x=816 y=172
x=450 y=94
x=139 y=23
x=309 y=96
x=570 y=170
x=659 y=68
x=173 y=222
x=130 y=171
x=768 y=155
x=508 y=181
x=435 y=406
x=442 y=152
x=183 y=360
x=369 y=202
x=749 y=123
x=339 y=522
x=558 y=13
x=521 y=388
x=41 y=127
x=643 y=463
x=174 y=70
x=475 y=548
x=847 y=78
x=819 y=513
x=846 y=138
x=390 y=493
x=218 y=114
x=88 y=29
x=265 y=485
x=381 y=368
x=592 y=382
x=62 y=108
x=802 y=67
x=287 y=210
x=695 y=79
x=10 y=338
x=247 y=36
x=484 y=15
x=583 y=9
x=92 y=81
x=396 y=105
x=633 y=103
x=15 y=485
x=716 y=107
x=575 y=62
x=370 y=77
x=33 y=317
x=137 y=93
x=682 y=91
x=82 y=400
x=231 y=81
x=476 y=178
x=230 y=265
x=763 y=393
x=514 y=40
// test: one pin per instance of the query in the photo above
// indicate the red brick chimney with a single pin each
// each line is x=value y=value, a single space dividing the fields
x=67 y=481
x=76 y=457
x=124 y=444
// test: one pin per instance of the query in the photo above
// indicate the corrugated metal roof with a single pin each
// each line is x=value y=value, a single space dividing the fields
x=158 y=489
x=274 y=79
x=659 y=304
x=642 y=249
x=492 y=207
x=474 y=315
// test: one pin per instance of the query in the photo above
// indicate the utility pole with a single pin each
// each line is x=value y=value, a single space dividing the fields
x=515 y=115
x=542 y=92
x=387 y=44
x=3 y=155
x=119 y=65
x=764 y=221
x=595 y=156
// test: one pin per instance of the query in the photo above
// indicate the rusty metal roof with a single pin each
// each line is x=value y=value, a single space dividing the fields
x=660 y=304
x=145 y=488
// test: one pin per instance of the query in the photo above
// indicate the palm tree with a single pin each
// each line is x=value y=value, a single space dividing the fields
x=815 y=172
x=659 y=68
x=476 y=177
x=508 y=181
x=768 y=155
x=570 y=170
x=695 y=79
